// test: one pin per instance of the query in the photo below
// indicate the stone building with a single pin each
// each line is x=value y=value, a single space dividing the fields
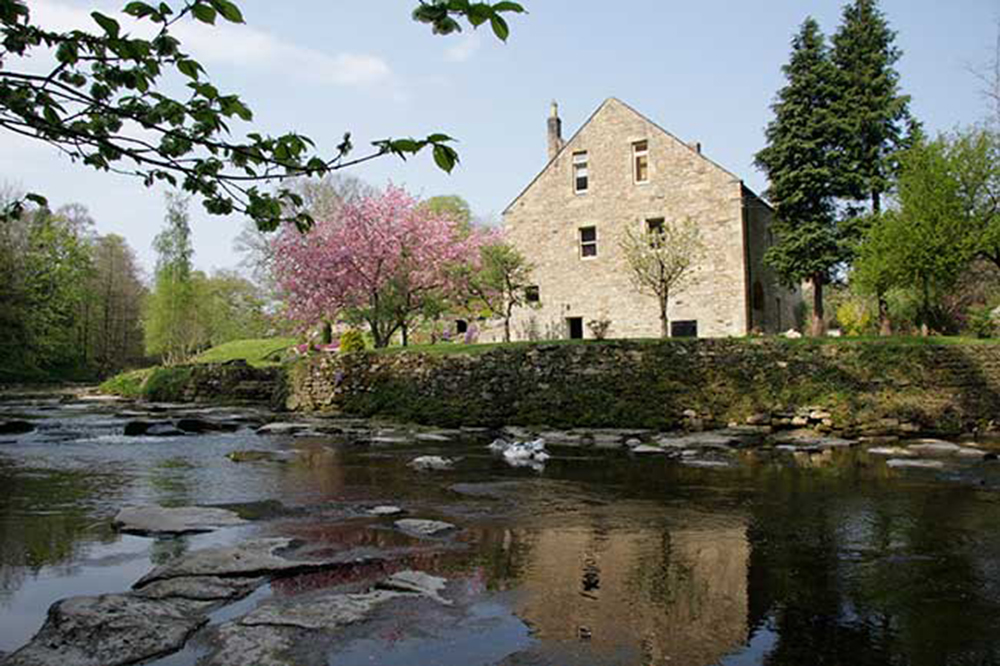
x=620 y=169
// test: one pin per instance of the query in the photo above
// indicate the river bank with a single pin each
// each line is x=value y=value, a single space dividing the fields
x=850 y=389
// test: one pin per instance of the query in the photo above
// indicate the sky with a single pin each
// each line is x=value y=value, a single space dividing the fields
x=706 y=71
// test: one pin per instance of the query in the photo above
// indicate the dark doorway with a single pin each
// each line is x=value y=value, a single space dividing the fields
x=684 y=329
x=575 y=325
x=461 y=326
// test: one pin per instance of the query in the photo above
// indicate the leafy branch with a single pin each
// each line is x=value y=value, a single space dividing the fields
x=102 y=104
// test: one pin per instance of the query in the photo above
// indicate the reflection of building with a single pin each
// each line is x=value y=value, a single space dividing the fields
x=677 y=596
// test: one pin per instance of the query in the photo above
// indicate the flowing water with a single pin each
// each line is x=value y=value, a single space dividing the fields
x=600 y=558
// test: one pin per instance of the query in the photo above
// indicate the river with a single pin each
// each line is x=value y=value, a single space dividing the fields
x=598 y=557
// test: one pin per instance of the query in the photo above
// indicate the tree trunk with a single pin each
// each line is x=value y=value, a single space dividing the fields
x=664 y=325
x=818 y=325
x=926 y=309
x=884 y=324
x=506 y=323
x=405 y=328
x=876 y=202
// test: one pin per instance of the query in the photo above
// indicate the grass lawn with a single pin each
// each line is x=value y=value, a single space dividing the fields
x=258 y=353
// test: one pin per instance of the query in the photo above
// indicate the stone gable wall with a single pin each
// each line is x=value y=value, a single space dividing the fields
x=544 y=224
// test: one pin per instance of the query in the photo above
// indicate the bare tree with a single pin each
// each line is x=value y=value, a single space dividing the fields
x=661 y=259
x=988 y=75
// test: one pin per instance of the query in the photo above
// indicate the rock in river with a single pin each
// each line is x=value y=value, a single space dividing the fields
x=897 y=463
x=385 y=510
x=253 y=558
x=15 y=427
x=423 y=527
x=174 y=520
x=431 y=463
x=110 y=630
x=418 y=582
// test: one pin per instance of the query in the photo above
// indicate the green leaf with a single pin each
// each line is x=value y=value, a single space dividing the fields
x=509 y=7
x=204 y=13
x=500 y=27
x=405 y=146
x=446 y=158
x=67 y=53
x=229 y=10
x=37 y=199
x=108 y=24
x=139 y=9
x=189 y=68
x=439 y=138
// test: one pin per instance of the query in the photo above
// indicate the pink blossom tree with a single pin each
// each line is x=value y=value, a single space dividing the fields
x=381 y=260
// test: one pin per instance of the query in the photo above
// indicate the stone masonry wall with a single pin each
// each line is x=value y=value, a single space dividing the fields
x=545 y=221
x=867 y=388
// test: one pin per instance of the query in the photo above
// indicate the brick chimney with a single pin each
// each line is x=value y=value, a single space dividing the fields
x=555 y=131
x=696 y=146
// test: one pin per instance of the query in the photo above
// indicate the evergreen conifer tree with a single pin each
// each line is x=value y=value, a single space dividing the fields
x=874 y=117
x=799 y=163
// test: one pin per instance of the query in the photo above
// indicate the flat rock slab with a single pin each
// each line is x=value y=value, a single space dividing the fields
x=432 y=463
x=237 y=645
x=319 y=612
x=432 y=437
x=933 y=448
x=283 y=428
x=270 y=634
x=646 y=449
x=110 y=630
x=386 y=510
x=253 y=558
x=423 y=527
x=891 y=451
x=705 y=464
x=417 y=582
x=174 y=520
x=897 y=463
x=201 y=588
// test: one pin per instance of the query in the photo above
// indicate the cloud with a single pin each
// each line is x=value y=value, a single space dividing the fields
x=464 y=48
x=236 y=45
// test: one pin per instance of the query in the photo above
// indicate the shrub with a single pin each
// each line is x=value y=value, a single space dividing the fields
x=983 y=322
x=352 y=341
x=856 y=318
x=599 y=327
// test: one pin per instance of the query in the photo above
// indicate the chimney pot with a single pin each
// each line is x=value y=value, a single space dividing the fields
x=555 y=130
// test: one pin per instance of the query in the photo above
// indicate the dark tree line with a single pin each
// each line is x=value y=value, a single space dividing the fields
x=72 y=300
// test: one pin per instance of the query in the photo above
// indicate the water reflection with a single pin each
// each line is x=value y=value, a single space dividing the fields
x=676 y=594
x=47 y=519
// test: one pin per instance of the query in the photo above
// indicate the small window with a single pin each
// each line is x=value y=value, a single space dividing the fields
x=461 y=326
x=532 y=294
x=684 y=329
x=640 y=161
x=758 y=296
x=581 y=172
x=655 y=229
x=588 y=242
x=575 y=327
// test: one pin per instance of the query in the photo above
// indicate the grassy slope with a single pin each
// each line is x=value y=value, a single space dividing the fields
x=153 y=382
x=255 y=352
